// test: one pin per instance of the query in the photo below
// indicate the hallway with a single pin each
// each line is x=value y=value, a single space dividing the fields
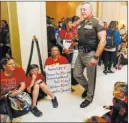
x=69 y=110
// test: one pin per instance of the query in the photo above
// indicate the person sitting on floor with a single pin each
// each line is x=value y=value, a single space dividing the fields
x=119 y=110
x=12 y=78
x=12 y=83
x=122 y=56
x=56 y=58
x=35 y=86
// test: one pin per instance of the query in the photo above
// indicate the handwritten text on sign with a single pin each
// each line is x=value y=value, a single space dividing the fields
x=58 y=78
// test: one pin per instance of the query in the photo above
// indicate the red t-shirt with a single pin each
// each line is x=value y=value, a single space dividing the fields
x=69 y=34
x=60 y=60
x=75 y=30
x=29 y=79
x=13 y=81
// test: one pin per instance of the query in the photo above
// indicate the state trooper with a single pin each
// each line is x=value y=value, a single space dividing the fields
x=91 y=41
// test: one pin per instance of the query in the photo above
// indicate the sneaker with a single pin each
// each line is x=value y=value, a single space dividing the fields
x=105 y=72
x=54 y=102
x=84 y=94
x=85 y=103
x=110 y=71
x=36 y=111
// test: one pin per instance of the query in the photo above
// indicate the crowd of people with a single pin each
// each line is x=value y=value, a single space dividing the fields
x=96 y=42
x=5 y=48
x=115 y=56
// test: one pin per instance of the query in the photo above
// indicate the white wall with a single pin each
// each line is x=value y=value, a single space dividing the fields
x=110 y=11
x=32 y=21
x=123 y=15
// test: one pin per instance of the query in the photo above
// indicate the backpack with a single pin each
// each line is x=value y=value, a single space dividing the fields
x=110 y=38
x=21 y=101
x=6 y=107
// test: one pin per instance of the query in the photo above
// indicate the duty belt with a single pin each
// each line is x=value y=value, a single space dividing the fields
x=85 y=49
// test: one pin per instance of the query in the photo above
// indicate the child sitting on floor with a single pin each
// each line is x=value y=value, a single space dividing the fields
x=36 y=84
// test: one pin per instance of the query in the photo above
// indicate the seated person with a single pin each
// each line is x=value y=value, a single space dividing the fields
x=122 y=56
x=12 y=77
x=119 y=110
x=56 y=58
x=12 y=80
x=35 y=82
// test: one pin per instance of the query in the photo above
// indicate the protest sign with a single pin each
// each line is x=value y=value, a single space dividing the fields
x=58 y=78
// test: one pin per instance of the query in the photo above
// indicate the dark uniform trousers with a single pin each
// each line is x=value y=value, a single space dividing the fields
x=82 y=61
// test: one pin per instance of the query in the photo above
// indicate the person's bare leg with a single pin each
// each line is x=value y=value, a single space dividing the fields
x=44 y=87
x=35 y=94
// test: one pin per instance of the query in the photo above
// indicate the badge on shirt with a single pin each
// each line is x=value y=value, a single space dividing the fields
x=88 y=26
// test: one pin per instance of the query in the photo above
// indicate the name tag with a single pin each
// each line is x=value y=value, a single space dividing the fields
x=88 y=26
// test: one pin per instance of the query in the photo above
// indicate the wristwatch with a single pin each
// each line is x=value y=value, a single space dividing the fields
x=96 y=57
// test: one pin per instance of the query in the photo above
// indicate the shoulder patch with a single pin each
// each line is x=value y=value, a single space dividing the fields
x=96 y=18
x=101 y=23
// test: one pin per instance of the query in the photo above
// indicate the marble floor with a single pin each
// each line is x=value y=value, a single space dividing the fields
x=69 y=103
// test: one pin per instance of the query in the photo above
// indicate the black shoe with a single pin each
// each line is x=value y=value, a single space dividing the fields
x=84 y=94
x=54 y=102
x=36 y=111
x=105 y=72
x=85 y=103
x=110 y=71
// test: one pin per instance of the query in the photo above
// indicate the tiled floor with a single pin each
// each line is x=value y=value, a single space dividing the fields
x=69 y=110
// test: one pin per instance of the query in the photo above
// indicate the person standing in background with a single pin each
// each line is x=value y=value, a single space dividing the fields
x=105 y=25
x=111 y=51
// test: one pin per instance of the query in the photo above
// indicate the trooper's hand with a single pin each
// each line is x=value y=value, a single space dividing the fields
x=93 y=62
